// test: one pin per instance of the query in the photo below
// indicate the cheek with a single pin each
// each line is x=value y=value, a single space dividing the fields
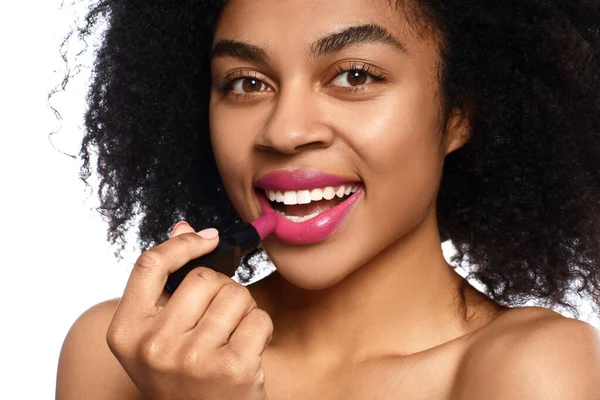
x=397 y=142
x=226 y=134
x=394 y=135
x=233 y=131
x=232 y=139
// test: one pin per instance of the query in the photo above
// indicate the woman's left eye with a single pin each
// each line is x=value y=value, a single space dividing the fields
x=352 y=78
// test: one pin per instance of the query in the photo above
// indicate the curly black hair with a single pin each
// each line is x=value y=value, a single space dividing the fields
x=520 y=201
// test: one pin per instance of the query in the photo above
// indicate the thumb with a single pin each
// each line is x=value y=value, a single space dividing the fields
x=181 y=227
x=178 y=229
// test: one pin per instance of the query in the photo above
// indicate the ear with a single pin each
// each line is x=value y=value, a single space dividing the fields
x=458 y=131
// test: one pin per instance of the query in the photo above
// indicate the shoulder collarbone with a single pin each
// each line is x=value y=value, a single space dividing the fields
x=87 y=368
x=542 y=356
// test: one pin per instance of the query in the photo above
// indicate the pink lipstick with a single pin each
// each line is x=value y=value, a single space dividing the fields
x=234 y=243
x=321 y=226
x=313 y=230
x=299 y=180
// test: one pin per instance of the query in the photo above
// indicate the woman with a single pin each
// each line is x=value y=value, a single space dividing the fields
x=467 y=120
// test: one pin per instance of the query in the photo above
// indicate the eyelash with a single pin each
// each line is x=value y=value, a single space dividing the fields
x=225 y=85
x=366 y=68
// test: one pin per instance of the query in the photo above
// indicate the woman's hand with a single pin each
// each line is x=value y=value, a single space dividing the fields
x=205 y=342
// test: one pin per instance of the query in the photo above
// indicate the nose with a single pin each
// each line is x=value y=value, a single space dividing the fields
x=295 y=124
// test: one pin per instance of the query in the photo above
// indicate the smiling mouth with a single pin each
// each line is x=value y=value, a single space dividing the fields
x=302 y=205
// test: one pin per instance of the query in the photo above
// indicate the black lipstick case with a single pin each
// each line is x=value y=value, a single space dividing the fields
x=235 y=243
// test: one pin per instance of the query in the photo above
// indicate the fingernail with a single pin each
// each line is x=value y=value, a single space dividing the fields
x=209 y=233
x=178 y=225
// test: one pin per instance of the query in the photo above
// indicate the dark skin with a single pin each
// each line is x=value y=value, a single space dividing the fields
x=385 y=263
x=371 y=312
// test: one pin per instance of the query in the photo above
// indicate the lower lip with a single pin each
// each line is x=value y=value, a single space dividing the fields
x=315 y=229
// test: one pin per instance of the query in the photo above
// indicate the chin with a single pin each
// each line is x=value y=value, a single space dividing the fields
x=313 y=267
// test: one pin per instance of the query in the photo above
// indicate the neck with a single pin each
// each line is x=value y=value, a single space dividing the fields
x=405 y=300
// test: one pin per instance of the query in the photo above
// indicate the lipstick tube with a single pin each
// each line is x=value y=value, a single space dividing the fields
x=234 y=244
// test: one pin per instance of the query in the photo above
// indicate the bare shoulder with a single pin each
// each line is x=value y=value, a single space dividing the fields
x=87 y=369
x=532 y=353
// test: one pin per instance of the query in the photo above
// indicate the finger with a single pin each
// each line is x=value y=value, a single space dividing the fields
x=163 y=299
x=149 y=274
x=192 y=298
x=253 y=334
x=181 y=227
x=228 y=308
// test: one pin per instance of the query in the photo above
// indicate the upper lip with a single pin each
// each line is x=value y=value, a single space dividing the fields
x=300 y=180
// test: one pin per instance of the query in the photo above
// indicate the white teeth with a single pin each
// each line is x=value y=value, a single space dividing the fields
x=316 y=194
x=303 y=197
x=306 y=196
x=328 y=193
x=295 y=218
x=290 y=198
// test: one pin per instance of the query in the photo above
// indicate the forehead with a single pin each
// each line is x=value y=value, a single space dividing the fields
x=293 y=24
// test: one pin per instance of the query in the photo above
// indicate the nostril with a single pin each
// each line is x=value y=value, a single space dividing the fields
x=294 y=137
x=290 y=148
x=312 y=145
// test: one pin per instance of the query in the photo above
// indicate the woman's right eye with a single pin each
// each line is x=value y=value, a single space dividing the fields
x=247 y=85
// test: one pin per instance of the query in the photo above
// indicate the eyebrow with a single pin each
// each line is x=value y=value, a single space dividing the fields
x=233 y=48
x=354 y=35
x=332 y=43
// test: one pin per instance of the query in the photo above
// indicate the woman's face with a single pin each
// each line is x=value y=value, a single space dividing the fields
x=342 y=87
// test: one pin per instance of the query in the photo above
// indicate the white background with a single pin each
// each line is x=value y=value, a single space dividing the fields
x=55 y=260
